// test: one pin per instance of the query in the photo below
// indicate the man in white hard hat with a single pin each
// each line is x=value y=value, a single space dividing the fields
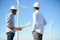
x=10 y=26
x=38 y=23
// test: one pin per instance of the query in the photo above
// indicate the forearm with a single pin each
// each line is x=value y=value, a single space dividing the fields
x=13 y=27
x=10 y=26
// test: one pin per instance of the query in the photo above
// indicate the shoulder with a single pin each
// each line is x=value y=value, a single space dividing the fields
x=8 y=16
x=40 y=14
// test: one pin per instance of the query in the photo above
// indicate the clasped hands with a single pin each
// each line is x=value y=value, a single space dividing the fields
x=18 y=29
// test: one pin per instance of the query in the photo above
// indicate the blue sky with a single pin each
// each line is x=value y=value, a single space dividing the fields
x=49 y=8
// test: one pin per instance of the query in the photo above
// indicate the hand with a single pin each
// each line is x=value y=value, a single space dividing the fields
x=18 y=28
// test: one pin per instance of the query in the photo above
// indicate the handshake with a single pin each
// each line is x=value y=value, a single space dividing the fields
x=18 y=28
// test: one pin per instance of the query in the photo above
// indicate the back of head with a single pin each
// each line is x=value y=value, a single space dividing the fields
x=36 y=5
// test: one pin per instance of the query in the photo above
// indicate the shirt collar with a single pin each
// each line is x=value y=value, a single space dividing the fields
x=36 y=11
x=11 y=13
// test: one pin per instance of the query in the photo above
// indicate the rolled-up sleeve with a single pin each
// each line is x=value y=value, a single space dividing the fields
x=8 y=20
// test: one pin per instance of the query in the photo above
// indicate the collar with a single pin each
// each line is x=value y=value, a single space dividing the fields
x=36 y=11
x=11 y=13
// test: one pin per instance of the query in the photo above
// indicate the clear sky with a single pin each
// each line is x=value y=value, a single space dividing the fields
x=49 y=8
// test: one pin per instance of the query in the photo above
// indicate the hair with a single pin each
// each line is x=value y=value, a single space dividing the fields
x=14 y=9
x=37 y=8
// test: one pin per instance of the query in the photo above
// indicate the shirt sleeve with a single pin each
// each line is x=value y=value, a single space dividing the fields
x=45 y=22
x=8 y=20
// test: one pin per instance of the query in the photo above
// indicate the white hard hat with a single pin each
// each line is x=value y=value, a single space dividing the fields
x=36 y=4
x=13 y=7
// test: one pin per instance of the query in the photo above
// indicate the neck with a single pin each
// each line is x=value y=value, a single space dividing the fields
x=11 y=13
x=35 y=10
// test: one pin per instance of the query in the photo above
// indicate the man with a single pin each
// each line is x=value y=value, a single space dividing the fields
x=10 y=23
x=38 y=23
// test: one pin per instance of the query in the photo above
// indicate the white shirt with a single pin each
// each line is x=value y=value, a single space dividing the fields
x=38 y=22
x=10 y=21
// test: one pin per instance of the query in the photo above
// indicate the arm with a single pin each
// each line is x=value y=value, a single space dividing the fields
x=9 y=25
x=12 y=27
x=45 y=22
x=27 y=25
